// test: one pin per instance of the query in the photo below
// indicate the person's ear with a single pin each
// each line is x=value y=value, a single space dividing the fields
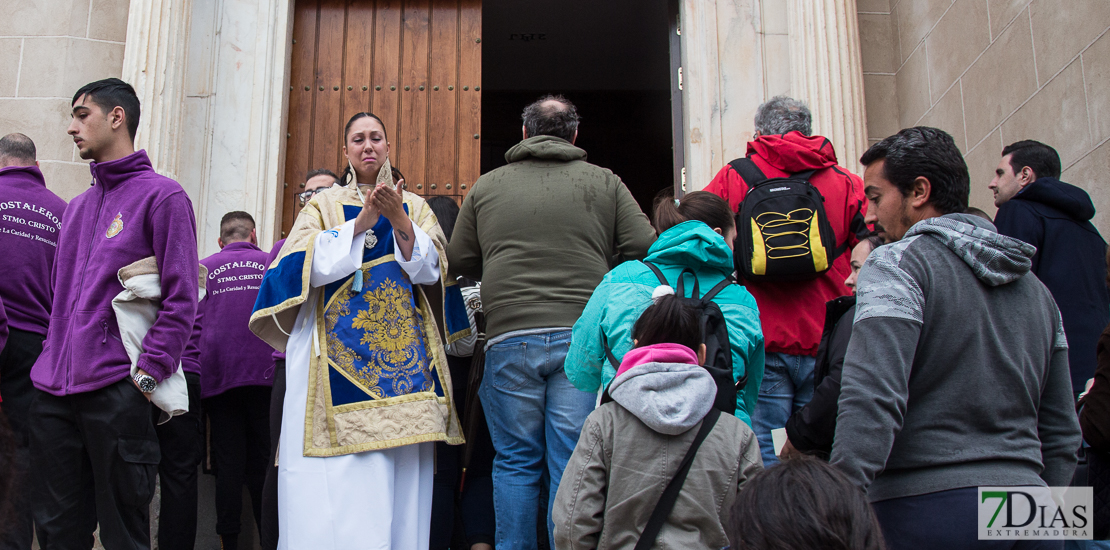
x=574 y=137
x=254 y=237
x=1027 y=176
x=635 y=342
x=718 y=230
x=701 y=354
x=921 y=192
x=523 y=131
x=220 y=241
x=117 y=117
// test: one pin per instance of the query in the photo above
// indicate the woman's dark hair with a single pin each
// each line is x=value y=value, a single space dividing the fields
x=929 y=153
x=446 y=212
x=346 y=132
x=668 y=321
x=803 y=503
x=701 y=206
x=875 y=241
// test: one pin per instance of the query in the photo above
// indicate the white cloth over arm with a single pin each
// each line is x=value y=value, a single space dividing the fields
x=337 y=253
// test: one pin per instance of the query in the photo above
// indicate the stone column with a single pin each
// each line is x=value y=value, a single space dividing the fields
x=154 y=63
x=826 y=73
x=211 y=76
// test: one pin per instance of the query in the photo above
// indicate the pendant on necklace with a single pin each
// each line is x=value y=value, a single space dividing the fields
x=371 y=239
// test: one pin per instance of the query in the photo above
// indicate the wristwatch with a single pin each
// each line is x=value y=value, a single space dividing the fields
x=146 y=383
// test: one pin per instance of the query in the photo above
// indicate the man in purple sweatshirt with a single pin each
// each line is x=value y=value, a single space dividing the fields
x=94 y=451
x=30 y=217
x=236 y=373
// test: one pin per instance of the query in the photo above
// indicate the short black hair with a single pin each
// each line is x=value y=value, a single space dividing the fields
x=111 y=93
x=1043 y=160
x=926 y=152
x=804 y=502
x=236 y=226
x=321 y=172
x=17 y=147
x=551 y=115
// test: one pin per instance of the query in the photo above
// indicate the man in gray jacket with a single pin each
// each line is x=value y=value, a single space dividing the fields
x=953 y=303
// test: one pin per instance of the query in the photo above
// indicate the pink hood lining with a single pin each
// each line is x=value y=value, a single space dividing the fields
x=658 y=353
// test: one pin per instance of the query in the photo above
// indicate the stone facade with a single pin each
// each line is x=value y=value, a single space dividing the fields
x=49 y=49
x=992 y=72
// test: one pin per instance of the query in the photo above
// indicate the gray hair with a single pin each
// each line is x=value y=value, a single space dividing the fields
x=782 y=114
x=16 y=150
x=551 y=115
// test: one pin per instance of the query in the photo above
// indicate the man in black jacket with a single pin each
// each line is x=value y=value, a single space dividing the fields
x=1038 y=208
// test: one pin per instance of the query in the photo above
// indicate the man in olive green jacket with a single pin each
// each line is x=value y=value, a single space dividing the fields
x=539 y=234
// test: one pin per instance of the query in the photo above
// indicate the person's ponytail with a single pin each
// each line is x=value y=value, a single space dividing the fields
x=665 y=214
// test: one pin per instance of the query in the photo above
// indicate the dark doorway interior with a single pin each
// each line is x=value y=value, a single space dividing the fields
x=609 y=57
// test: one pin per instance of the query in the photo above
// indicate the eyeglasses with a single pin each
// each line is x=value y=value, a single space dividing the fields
x=307 y=195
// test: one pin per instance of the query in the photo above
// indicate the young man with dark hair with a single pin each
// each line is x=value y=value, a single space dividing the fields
x=236 y=373
x=1036 y=207
x=32 y=216
x=953 y=302
x=94 y=450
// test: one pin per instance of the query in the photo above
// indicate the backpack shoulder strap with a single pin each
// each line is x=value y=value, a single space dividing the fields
x=718 y=288
x=804 y=175
x=670 y=494
x=658 y=274
x=748 y=170
x=609 y=352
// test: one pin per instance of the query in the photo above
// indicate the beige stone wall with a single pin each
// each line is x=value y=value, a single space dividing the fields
x=49 y=49
x=992 y=72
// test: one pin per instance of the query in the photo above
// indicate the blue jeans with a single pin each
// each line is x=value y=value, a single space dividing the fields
x=787 y=386
x=535 y=416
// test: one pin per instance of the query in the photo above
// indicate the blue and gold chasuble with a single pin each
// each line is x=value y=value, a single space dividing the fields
x=378 y=373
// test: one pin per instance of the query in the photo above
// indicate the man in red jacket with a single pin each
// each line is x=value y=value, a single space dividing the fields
x=792 y=313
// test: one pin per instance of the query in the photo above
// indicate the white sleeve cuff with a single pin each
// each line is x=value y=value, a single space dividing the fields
x=423 y=267
x=336 y=253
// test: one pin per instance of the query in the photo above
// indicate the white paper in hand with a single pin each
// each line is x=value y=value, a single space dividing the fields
x=778 y=439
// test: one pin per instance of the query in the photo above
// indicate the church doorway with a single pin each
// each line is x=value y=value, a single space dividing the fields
x=450 y=77
x=610 y=58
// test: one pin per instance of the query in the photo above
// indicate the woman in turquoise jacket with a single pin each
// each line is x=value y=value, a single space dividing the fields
x=695 y=233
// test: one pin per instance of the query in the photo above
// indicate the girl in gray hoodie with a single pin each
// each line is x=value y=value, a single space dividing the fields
x=631 y=447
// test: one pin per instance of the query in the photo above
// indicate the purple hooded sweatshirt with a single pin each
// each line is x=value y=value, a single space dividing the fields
x=230 y=354
x=277 y=355
x=130 y=213
x=30 y=219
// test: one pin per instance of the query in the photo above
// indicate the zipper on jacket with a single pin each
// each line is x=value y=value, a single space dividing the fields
x=80 y=289
x=104 y=325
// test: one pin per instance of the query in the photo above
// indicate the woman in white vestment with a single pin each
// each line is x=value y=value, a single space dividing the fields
x=368 y=390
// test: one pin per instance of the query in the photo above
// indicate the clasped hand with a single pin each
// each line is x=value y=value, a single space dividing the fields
x=382 y=201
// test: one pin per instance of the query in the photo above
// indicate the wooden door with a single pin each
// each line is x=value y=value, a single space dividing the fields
x=417 y=64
